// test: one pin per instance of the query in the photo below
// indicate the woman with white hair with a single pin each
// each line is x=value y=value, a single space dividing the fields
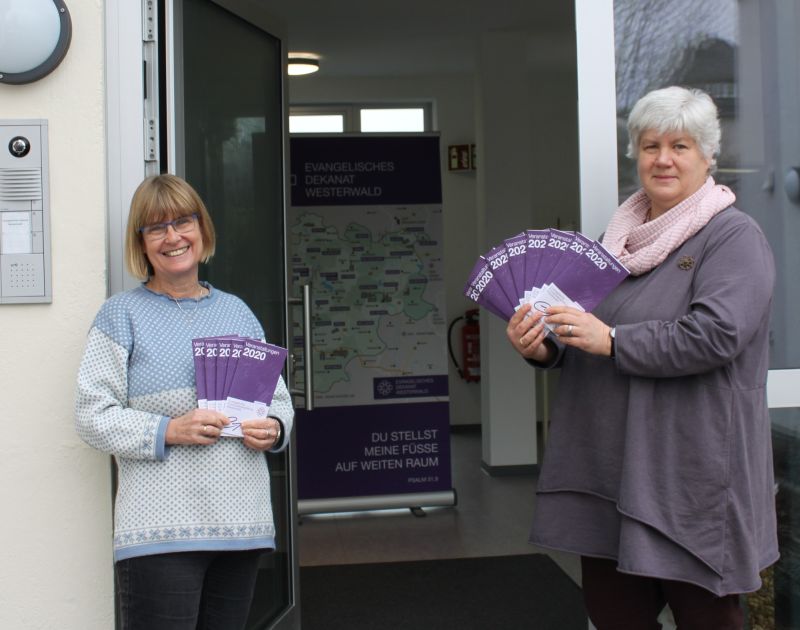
x=658 y=469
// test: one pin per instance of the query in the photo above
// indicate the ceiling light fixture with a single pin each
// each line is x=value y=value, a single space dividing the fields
x=302 y=65
x=35 y=38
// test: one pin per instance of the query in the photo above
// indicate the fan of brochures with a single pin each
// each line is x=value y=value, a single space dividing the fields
x=544 y=268
x=237 y=376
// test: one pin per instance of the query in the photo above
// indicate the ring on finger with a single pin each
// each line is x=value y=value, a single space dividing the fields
x=569 y=330
x=205 y=428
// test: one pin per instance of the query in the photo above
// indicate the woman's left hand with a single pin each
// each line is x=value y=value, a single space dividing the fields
x=261 y=434
x=580 y=330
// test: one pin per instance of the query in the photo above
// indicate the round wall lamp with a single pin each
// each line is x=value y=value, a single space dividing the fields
x=34 y=38
x=302 y=65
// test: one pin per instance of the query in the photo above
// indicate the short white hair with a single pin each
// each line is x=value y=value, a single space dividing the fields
x=676 y=109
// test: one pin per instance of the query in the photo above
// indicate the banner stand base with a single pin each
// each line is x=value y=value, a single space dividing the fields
x=442 y=498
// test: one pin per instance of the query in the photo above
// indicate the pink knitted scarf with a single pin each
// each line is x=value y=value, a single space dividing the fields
x=642 y=246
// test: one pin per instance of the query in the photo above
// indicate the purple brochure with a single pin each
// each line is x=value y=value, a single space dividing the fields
x=575 y=250
x=199 y=353
x=499 y=264
x=212 y=347
x=557 y=243
x=590 y=278
x=223 y=356
x=537 y=242
x=482 y=288
x=237 y=345
x=257 y=373
x=517 y=246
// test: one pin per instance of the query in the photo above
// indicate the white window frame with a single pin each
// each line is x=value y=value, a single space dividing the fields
x=345 y=111
x=352 y=112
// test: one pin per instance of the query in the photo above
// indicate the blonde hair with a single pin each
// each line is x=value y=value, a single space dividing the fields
x=163 y=198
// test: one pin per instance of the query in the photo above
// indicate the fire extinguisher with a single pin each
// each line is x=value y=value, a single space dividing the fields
x=470 y=369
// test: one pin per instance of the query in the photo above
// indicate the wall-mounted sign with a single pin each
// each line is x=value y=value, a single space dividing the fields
x=461 y=157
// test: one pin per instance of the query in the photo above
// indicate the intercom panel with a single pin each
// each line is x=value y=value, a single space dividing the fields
x=25 y=272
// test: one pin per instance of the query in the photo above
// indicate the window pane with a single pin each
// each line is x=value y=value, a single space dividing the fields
x=744 y=54
x=407 y=119
x=234 y=157
x=322 y=123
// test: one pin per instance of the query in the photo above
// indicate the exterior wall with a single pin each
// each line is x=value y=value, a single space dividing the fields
x=57 y=566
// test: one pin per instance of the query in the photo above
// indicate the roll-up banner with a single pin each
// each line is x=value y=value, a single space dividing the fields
x=365 y=230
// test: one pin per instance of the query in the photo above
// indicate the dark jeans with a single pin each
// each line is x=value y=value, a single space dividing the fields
x=195 y=590
x=619 y=601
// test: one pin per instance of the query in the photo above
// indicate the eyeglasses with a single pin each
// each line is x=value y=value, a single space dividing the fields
x=181 y=225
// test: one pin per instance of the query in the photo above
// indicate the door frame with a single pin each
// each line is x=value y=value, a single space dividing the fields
x=125 y=148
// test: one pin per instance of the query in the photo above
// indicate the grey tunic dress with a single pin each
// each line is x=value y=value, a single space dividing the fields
x=661 y=458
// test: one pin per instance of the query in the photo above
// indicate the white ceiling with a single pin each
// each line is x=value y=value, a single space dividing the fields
x=412 y=37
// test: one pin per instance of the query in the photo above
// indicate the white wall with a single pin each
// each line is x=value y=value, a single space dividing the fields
x=56 y=569
x=528 y=178
x=455 y=115
x=505 y=201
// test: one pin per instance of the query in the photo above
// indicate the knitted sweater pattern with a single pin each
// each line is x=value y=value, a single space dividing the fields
x=137 y=372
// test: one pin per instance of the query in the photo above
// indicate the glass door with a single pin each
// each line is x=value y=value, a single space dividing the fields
x=225 y=97
x=766 y=176
x=745 y=54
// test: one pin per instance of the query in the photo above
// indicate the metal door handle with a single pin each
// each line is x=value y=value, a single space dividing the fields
x=791 y=184
x=308 y=390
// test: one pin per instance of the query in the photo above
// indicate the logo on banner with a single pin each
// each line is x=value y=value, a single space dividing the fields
x=410 y=386
x=385 y=388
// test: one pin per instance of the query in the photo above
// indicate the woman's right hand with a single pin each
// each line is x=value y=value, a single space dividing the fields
x=527 y=333
x=199 y=426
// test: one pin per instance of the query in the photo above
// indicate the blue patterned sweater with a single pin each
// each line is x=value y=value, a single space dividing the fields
x=137 y=373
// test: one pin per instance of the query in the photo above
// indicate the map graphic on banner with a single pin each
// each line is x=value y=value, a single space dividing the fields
x=365 y=231
x=378 y=301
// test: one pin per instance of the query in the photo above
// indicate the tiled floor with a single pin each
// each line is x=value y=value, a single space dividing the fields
x=492 y=517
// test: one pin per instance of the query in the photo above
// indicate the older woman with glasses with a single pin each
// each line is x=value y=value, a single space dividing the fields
x=193 y=513
x=658 y=470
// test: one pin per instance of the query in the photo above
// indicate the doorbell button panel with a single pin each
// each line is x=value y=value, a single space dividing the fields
x=25 y=266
